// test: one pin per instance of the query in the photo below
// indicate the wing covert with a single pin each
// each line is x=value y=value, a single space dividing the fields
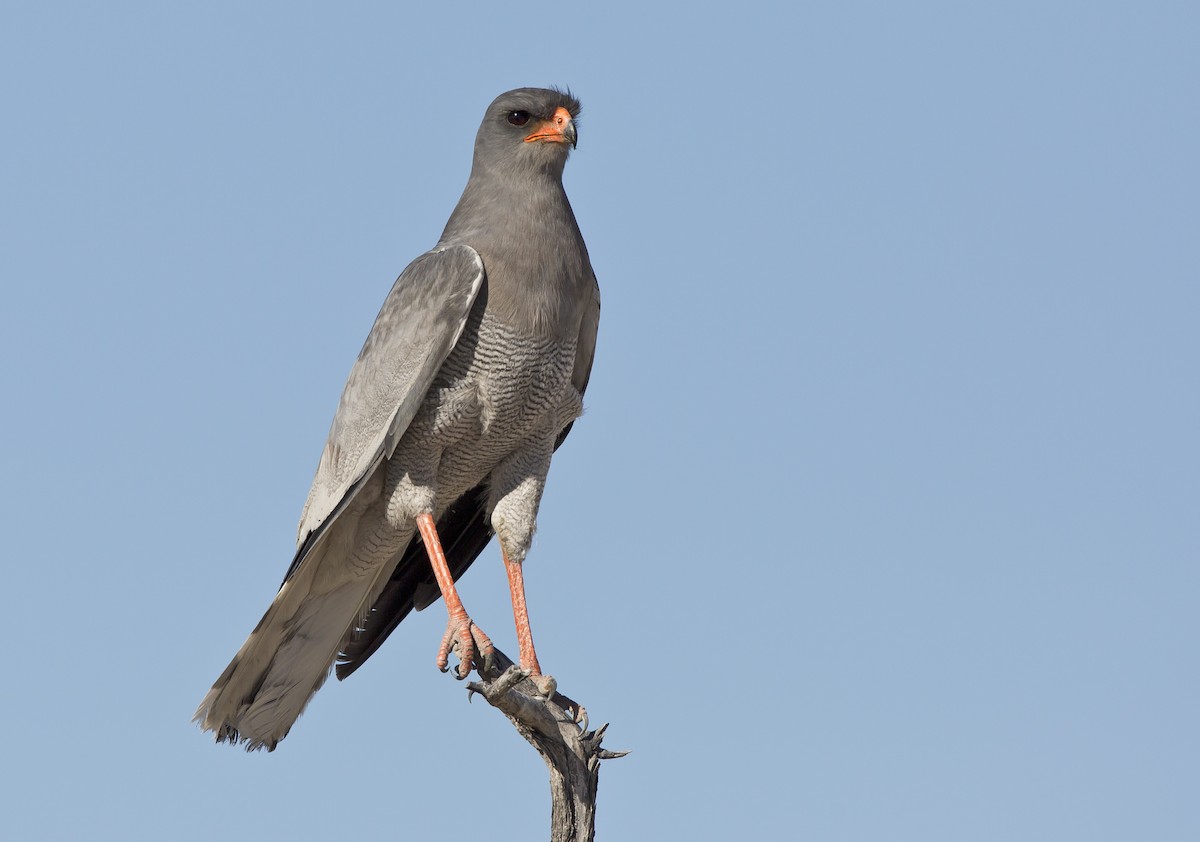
x=418 y=325
x=585 y=350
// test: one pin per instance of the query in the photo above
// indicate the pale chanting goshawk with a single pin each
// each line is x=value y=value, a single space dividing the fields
x=470 y=378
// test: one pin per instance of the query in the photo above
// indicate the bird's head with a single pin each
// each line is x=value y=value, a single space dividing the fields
x=528 y=129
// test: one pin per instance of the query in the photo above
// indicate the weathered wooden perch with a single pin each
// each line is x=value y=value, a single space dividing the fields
x=558 y=728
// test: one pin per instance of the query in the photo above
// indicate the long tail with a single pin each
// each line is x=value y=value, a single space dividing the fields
x=288 y=656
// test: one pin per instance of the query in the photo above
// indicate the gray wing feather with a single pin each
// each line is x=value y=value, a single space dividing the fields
x=585 y=351
x=418 y=325
x=585 y=348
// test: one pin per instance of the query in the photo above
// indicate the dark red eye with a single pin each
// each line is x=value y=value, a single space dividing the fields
x=518 y=118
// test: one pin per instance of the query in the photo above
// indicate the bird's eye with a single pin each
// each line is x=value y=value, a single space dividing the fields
x=518 y=118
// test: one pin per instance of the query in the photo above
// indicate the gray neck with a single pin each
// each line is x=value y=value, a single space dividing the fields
x=524 y=229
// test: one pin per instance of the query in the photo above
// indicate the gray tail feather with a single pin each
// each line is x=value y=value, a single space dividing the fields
x=286 y=659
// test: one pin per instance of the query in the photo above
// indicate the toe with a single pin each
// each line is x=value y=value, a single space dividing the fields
x=443 y=655
x=545 y=684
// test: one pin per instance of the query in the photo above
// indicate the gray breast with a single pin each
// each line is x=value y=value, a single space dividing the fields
x=499 y=391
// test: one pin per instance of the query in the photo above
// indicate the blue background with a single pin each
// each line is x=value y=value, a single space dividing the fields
x=883 y=519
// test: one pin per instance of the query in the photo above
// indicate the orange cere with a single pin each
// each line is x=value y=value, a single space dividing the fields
x=553 y=129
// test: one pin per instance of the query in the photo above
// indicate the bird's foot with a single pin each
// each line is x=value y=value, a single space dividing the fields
x=468 y=641
x=545 y=685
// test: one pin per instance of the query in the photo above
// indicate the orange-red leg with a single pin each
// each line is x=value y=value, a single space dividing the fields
x=516 y=585
x=461 y=635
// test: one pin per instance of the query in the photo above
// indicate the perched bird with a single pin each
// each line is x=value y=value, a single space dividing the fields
x=469 y=380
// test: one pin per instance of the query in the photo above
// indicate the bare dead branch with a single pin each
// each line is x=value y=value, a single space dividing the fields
x=557 y=727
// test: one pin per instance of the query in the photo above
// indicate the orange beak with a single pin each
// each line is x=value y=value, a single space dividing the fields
x=558 y=129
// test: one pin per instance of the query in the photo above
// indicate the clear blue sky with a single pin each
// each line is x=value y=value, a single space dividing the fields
x=884 y=519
